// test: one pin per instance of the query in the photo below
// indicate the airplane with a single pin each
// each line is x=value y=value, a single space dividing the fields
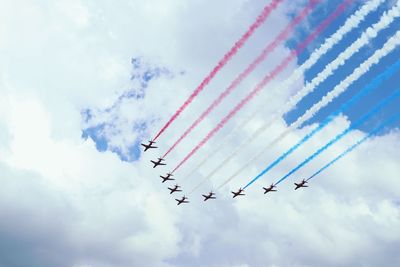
x=209 y=196
x=269 y=189
x=238 y=193
x=150 y=145
x=167 y=178
x=301 y=184
x=156 y=163
x=175 y=189
x=183 y=200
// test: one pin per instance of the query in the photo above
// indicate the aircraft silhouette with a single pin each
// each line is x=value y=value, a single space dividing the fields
x=269 y=189
x=238 y=193
x=150 y=145
x=157 y=163
x=167 y=177
x=210 y=195
x=175 y=189
x=301 y=184
x=182 y=200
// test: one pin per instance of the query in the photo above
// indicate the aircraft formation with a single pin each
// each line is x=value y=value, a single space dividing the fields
x=385 y=23
x=211 y=194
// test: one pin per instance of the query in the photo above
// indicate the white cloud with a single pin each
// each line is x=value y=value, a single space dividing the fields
x=63 y=203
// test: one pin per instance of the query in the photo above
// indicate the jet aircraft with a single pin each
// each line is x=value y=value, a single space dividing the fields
x=269 y=189
x=167 y=177
x=174 y=189
x=210 y=195
x=301 y=184
x=182 y=200
x=238 y=193
x=150 y=145
x=159 y=162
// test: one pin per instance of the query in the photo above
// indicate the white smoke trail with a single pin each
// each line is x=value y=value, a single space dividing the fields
x=351 y=23
x=337 y=90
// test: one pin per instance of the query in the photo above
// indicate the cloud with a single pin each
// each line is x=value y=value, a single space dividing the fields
x=72 y=207
x=344 y=210
x=120 y=127
x=63 y=203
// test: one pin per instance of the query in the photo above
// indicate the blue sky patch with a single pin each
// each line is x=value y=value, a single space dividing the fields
x=102 y=125
x=343 y=71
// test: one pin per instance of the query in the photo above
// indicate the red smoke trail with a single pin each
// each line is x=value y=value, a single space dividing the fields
x=239 y=44
x=266 y=79
x=267 y=50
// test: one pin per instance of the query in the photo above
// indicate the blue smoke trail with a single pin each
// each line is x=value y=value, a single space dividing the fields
x=360 y=121
x=367 y=89
x=373 y=132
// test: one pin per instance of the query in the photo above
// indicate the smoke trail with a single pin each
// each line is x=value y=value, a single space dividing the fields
x=222 y=144
x=371 y=32
x=360 y=70
x=250 y=68
x=341 y=135
x=265 y=80
x=237 y=46
x=359 y=142
x=375 y=83
x=340 y=88
x=352 y=22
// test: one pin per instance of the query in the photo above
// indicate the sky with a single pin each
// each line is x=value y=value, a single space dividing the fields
x=84 y=82
x=341 y=73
